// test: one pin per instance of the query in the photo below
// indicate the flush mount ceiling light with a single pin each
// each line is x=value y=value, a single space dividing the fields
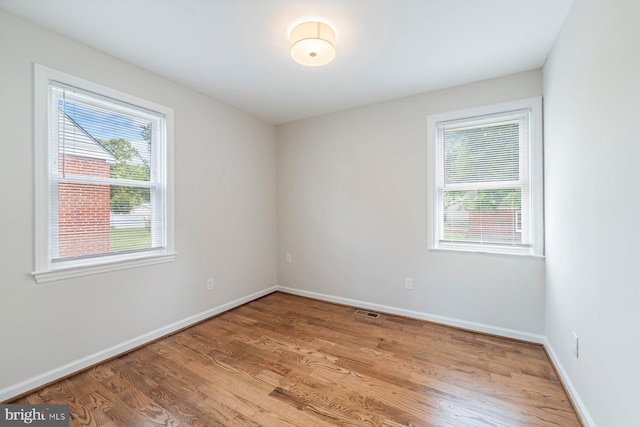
x=313 y=43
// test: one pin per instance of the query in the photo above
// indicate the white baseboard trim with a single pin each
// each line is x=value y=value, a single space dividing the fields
x=80 y=364
x=480 y=327
x=583 y=413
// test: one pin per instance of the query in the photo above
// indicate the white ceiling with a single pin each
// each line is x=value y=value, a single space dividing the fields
x=236 y=51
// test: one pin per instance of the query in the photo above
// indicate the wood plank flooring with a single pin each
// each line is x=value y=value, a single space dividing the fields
x=285 y=360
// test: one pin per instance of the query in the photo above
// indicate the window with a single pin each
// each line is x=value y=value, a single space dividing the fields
x=486 y=180
x=103 y=178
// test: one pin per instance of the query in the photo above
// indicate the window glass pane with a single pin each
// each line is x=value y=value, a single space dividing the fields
x=83 y=216
x=483 y=216
x=88 y=225
x=89 y=131
x=482 y=153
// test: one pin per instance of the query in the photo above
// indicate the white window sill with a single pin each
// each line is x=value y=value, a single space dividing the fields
x=86 y=270
x=485 y=251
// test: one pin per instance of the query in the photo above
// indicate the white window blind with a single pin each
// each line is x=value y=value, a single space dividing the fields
x=483 y=186
x=107 y=180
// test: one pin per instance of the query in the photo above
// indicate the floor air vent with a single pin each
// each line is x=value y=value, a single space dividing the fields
x=366 y=313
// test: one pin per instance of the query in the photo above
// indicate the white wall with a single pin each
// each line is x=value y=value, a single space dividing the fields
x=352 y=212
x=225 y=216
x=592 y=147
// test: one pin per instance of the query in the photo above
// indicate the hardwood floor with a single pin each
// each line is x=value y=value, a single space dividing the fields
x=285 y=360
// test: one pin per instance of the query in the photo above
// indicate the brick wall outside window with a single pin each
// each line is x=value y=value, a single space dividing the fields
x=500 y=223
x=84 y=209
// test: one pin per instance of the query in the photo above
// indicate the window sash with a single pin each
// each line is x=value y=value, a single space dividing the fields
x=91 y=237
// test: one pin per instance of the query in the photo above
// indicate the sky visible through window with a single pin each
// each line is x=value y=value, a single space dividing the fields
x=104 y=125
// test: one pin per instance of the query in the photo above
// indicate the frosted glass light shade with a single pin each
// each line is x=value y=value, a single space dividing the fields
x=313 y=44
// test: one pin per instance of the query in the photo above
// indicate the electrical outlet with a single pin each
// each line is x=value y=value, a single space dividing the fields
x=408 y=283
x=574 y=344
x=287 y=257
x=210 y=284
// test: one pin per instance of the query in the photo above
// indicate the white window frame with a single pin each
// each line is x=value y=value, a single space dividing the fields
x=535 y=166
x=45 y=269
